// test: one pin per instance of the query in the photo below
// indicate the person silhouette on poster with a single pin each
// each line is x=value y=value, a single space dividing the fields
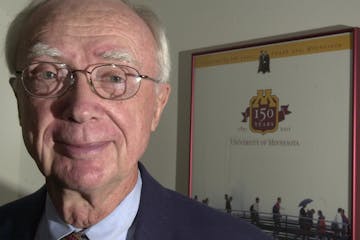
x=254 y=211
x=228 y=200
x=264 y=62
x=277 y=217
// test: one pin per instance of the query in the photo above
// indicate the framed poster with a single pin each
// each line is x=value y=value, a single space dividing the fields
x=273 y=117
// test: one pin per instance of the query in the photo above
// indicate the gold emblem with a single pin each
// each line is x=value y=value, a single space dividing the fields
x=263 y=112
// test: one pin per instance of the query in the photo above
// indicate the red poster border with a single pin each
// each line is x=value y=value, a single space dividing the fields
x=355 y=148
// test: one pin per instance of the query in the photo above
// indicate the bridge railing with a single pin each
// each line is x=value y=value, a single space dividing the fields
x=289 y=227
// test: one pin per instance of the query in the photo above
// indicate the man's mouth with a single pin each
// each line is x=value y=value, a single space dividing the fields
x=80 y=150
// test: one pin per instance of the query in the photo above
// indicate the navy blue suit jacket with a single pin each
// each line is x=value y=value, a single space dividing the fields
x=163 y=214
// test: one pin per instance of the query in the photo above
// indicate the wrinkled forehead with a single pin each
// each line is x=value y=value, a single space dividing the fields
x=83 y=10
x=57 y=19
x=83 y=15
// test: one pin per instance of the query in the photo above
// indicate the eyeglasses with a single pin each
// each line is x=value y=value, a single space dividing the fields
x=109 y=81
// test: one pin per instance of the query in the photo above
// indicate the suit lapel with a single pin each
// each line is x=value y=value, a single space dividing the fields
x=32 y=216
x=151 y=221
x=23 y=216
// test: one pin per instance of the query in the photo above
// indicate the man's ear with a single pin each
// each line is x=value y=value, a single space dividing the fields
x=13 y=84
x=163 y=93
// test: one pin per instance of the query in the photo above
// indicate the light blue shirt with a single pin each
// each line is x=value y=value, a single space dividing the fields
x=114 y=227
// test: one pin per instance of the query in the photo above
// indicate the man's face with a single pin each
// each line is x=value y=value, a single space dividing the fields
x=79 y=140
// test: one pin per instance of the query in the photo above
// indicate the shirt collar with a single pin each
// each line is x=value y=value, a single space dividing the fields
x=114 y=226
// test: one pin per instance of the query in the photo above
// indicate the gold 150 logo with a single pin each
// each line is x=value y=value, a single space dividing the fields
x=264 y=112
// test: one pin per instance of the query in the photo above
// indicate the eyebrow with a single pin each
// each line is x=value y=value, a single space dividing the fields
x=118 y=55
x=41 y=49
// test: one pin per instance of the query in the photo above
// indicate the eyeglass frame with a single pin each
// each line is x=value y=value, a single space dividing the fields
x=20 y=73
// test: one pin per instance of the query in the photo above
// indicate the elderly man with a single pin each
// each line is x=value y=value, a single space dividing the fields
x=90 y=78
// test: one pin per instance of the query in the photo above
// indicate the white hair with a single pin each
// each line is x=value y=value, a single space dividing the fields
x=18 y=26
x=40 y=49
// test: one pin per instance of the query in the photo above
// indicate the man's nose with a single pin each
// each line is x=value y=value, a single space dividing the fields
x=82 y=104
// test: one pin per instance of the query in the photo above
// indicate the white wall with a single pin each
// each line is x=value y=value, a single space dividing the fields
x=201 y=23
x=190 y=24
x=17 y=171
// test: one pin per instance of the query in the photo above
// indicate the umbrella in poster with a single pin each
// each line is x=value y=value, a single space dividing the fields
x=305 y=202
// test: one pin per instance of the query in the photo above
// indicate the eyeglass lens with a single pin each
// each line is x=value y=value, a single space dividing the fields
x=108 y=81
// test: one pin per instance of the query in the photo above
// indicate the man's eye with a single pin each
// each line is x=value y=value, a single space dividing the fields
x=116 y=79
x=111 y=78
x=46 y=75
